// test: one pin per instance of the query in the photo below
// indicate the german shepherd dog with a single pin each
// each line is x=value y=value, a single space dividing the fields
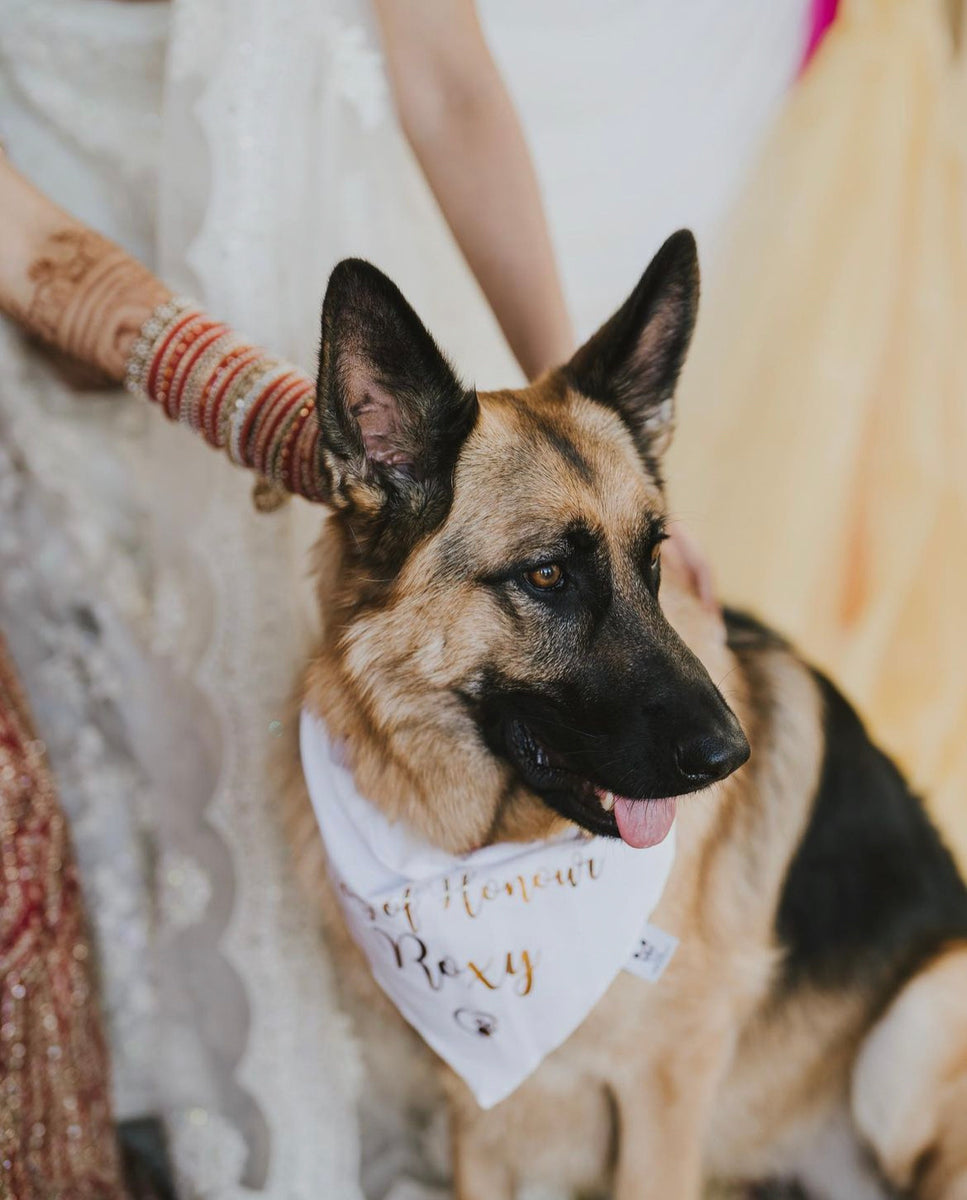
x=498 y=659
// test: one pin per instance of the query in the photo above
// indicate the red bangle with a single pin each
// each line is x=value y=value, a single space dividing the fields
x=159 y=354
x=259 y=409
x=207 y=336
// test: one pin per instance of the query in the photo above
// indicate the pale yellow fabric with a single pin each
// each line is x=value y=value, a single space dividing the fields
x=822 y=446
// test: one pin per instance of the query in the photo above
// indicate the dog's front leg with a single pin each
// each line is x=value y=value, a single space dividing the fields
x=661 y=1117
x=659 y=1155
x=480 y=1172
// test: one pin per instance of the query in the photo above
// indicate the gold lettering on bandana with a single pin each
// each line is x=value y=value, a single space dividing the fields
x=410 y=952
x=522 y=986
x=471 y=895
x=474 y=896
x=392 y=908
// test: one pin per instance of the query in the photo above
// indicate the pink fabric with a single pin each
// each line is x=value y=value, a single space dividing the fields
x=820 y=19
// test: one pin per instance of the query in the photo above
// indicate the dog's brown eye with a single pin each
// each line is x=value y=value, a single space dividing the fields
x=656 y=556
x=550 y=575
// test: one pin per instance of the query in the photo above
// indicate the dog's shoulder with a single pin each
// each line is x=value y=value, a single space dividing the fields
x=871 y=891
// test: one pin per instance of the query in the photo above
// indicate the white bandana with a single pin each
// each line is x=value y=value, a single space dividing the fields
x=497 y=956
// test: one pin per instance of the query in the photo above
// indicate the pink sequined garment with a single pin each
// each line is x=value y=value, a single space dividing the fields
x=56 y=1133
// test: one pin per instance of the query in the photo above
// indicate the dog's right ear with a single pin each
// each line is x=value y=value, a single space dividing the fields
x=392 y=413
x=632 y=363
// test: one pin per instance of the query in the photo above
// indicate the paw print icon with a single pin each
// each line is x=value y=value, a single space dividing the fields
x=473 y=1021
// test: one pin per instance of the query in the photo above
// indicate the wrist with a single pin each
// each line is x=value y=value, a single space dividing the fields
x=67 y=285
x=255 y=407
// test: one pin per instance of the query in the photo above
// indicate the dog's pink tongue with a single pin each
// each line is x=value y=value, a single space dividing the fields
x=644 y=822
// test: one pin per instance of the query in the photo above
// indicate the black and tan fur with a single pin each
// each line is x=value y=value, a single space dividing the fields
x=811 y=895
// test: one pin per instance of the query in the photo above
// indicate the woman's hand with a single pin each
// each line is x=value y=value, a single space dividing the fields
x=682 y=553
x=65 y=284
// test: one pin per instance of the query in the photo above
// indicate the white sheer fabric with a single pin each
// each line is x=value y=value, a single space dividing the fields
x=276 y=153
x=73 y=583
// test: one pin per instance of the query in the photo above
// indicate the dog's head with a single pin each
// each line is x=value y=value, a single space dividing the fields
x=497 y=604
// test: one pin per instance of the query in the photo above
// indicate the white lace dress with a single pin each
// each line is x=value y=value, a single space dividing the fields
x=241 y=148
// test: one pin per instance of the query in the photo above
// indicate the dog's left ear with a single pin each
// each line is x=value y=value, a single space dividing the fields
x=633 y=361
x=392 y=413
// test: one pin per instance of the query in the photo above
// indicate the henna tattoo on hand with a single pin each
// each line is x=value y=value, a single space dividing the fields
x=89 y=298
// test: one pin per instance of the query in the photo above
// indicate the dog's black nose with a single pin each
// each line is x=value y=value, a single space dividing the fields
x=704 y=759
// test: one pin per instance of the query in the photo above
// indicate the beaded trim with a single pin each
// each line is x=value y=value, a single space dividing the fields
x=260 y=410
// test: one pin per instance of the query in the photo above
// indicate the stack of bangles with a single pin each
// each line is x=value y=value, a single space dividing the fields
x=257 y=408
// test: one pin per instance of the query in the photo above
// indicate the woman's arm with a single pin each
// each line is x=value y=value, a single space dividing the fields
x=66 y=284
x=459 y=119
x=94 y=304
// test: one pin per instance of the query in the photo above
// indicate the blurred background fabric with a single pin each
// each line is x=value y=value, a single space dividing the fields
x=823 y=424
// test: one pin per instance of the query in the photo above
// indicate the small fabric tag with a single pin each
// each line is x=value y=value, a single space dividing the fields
x=653 y=953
